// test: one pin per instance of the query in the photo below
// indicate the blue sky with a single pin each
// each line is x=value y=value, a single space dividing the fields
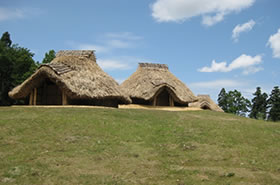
x=207 y=44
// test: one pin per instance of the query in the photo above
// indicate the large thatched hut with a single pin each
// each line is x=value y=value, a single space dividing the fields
x=154 y=84
x=205 y=102
x=72 y=78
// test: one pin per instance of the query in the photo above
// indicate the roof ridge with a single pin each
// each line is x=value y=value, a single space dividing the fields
x=77 y=53
x=153 y=65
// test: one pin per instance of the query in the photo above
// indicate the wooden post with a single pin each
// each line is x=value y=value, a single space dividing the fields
x=35 y=96
x=31 y=98
x=44 y=97
x=171 y=102
x=155 y=101
x=64 y=98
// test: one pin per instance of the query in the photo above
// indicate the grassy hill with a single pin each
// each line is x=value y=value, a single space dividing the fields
x=117 y=146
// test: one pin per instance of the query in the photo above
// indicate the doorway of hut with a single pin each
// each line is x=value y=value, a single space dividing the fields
x=163 y=98
x=205 y=107
x=48 y=93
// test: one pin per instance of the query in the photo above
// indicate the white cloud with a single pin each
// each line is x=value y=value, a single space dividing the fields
x=119 y=63
x=216 y=84
x=274 y=43
x=18 y=13
x=110 y=64
x=213 y=88
x=8 y=14
x=109 y=42
x=215 y=67
x=118 y=43
x=97 y=48
x=246 y=87
x=246 y=27
x=245 y=62
x=212 y=11
x=252 y=70
x=123 y=35
x=211 y=20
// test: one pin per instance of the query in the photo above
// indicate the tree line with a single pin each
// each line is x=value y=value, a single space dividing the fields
x=16 y=65
x=261 y=106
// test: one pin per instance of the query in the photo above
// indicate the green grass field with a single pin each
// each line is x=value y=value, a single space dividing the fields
x=118 y=146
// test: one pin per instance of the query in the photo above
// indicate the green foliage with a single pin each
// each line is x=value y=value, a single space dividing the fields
x=233 y=102
x=6 y=40
x=49 y=57
x=237 y=103
x=16 y=64
x=222 y=99
x=274 y=104
x=6 y=69
x=259 y=105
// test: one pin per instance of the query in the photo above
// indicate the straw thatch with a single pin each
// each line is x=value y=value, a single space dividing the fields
x=78 y=75
x=205 y=102
x=150 y=79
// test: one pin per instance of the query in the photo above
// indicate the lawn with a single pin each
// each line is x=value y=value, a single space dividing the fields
x=119 y=146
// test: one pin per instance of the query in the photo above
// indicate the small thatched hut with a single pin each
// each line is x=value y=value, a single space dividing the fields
x=153 y=84
x=205 y=102
x=72 y=78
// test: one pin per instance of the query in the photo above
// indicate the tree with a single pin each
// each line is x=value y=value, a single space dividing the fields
x=233 y=102
x=259 y=105
x=6 y=68
x=222 y=99
x=16 y=64
x=6 y=40
x=237 y=104
x=49 y=57
x=274 y=104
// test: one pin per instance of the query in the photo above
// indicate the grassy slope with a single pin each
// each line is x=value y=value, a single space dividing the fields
x=113 y=146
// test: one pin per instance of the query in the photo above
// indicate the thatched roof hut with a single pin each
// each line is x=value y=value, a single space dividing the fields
x=154 y=84
x=73 y=77
x=205 y=102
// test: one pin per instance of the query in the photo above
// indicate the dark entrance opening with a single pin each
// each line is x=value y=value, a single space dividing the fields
x=95 y=102
x=162 y=98
x=141 y=101
x=176 y=104
x=48 y=94
x=205 y=107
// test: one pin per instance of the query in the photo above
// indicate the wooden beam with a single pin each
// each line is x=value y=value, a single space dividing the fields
x=44 y=97
x=31 y=98
x=64 y=98
x=171 y=101
x=155 y=101
x=35 y=96
x=155 y=96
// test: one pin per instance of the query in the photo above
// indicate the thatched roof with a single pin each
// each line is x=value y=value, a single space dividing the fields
x=77 y=73
x=205 y=101
x=149 y=78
